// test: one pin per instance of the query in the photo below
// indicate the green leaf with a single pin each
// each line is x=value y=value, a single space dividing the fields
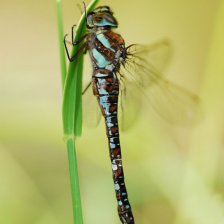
x=72 y=105
x=72 y=102
x=61 y=44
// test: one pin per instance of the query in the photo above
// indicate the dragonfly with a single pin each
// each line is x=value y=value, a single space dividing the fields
x=119 y=73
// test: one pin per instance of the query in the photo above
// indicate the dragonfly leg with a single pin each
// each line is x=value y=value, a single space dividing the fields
x=73 y=34
x=86 y=88
x=74 y=43
x=66 y=48
x=80 y=50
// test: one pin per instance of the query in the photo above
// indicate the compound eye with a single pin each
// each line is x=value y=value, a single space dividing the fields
x=90 y=19
x=98 y=19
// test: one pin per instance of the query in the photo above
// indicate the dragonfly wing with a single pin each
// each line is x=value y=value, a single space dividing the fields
x=157 y=54
x=129 y=105
x=173 y=103
x=130 y=100
x=170 y=101
x=90 y=107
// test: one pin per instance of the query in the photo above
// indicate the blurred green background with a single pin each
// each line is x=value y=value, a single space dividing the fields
x=174 y=174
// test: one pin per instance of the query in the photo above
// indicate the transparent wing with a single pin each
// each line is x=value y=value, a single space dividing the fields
x=129 y=104
x=130 y=100
x=90 y=108
x=158 y=54
x=142 y=60
x=174 y=103
x=91 y=111
x=170 y=101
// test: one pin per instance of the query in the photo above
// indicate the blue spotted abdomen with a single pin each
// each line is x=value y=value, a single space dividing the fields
x=106 y=89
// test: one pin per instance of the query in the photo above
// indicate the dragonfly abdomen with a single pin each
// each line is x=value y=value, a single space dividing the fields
x=124 y=207
x=106 y=89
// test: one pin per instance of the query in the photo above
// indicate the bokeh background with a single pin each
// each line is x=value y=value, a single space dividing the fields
x=175 y=175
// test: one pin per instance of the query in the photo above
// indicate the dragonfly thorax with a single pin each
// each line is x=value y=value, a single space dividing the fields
x=107 y=50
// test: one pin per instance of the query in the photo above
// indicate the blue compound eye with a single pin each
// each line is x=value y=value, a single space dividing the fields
x=98 y=19
x=104 y=19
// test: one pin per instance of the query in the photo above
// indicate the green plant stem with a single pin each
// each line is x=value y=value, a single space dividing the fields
x=72 y=105
x=73 y=170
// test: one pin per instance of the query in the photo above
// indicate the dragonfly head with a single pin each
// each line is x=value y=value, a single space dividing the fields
x=101 y=17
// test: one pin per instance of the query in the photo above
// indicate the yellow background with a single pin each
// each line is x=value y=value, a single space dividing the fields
x=174 y=174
